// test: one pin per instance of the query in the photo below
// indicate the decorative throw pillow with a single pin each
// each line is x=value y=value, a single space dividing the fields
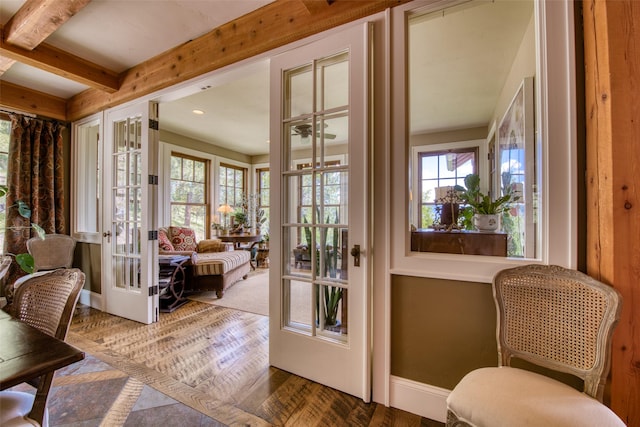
x=182 y=238
x=163 y=241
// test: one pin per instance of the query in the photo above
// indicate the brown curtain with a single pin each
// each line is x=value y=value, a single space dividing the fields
x=34 y=176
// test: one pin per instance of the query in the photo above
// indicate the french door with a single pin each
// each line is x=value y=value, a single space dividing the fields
x=319 y=287
x=129 y=250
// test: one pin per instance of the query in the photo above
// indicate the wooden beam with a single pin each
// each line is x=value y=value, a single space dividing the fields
x=612 y=61
x=63 y=64
x=5 y=64
x=274 y=25
x=316 y=6
x=23 y=99
x=38 y=19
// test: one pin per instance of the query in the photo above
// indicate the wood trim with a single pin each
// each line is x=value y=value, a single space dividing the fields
x=612 y=61
x=32 y=101
x=38 y=19
x=61 y=63
x=272 y=26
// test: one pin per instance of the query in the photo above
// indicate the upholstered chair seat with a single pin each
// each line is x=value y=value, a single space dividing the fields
x=556 y=319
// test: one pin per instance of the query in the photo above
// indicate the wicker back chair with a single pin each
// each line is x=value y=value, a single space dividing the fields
x=54 y=251
x=47 y=303
x=555 y=318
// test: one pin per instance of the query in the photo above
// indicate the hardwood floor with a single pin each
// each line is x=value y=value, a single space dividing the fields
x=214 y=360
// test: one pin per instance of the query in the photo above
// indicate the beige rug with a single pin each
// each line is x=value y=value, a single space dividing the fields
x=252 y=295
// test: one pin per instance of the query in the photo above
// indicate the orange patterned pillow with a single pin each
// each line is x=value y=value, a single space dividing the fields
x=182 y=238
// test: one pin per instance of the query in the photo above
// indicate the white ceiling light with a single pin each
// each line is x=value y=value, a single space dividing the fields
x=198 y=112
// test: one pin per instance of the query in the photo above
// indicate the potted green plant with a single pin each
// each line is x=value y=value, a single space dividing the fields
x=483 y=212
x=25 y=260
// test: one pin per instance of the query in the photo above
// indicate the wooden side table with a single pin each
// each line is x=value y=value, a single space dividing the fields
x=172 y=277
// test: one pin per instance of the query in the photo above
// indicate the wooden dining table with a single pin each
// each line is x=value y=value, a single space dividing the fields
x=27 y=353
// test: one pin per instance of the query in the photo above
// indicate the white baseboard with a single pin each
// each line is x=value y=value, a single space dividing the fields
x=422 y=399
x=91 y=299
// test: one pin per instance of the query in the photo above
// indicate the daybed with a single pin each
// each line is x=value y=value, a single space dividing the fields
x=214 y=265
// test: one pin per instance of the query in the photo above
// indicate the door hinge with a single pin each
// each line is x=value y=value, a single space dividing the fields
x=153 y=234
x=153 y=179
x=154 y=124
x=153 y=290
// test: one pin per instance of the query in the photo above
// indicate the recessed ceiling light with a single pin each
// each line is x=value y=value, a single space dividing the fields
x=198 y=112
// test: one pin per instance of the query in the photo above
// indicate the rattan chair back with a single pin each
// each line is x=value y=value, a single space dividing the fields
x=47 y=302
x=559 y=319
x=54 y=251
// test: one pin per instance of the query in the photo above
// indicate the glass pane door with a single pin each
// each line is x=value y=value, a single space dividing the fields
x=318 y=294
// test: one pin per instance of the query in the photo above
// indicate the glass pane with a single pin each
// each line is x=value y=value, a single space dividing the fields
x=176 y=167
x=120 y=142
x=137 y=138
x=331 y=251
x=298 y=254
x=333 y=130
x=298 y=87
x=333 y=82
x=120 y=166
x=298 y=303
x=119 y=270
x=199 y=171
x=187 y=169
x=332 y=319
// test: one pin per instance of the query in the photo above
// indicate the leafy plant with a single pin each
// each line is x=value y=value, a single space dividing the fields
x=25 y=260
x=481 y=203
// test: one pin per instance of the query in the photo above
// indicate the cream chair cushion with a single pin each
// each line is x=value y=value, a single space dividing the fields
x=509 y=397
x=14 y=408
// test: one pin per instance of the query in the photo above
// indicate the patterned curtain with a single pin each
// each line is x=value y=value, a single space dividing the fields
x=35 y=177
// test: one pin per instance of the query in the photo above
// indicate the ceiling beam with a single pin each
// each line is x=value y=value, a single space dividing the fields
x=38 y=19
x=272 y=26
x=5 y=64
x=64 y=64
x=315 y=6
x=23 y=99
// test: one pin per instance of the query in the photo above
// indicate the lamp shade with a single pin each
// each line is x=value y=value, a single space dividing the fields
x=225 y=209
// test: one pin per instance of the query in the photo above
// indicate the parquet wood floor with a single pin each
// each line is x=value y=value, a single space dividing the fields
x=215 y=360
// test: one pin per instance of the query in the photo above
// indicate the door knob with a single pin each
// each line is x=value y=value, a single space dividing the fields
x=355 y=253
x=107 y=234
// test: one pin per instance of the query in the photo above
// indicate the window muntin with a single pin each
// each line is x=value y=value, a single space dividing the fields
x=189 y=193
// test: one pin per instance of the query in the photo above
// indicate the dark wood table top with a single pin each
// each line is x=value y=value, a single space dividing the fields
x=241 y=237
x=27 y=353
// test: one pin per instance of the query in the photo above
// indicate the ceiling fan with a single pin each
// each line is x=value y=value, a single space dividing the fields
x=304 y=131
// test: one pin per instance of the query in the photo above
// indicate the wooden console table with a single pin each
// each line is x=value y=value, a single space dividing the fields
x=459 y=242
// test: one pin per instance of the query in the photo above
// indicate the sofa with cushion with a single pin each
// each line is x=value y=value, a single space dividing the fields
x=214 y=265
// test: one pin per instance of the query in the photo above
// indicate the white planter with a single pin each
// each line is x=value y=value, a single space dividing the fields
x=486 y=222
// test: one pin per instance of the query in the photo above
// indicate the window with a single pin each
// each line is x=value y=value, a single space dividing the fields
x=438 y=171
x=440 y=113
x=86 y=177
x=232 y=185
x=5 y=133
x=264 y=180
x=188 y=188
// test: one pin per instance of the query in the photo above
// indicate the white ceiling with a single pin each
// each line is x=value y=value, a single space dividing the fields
x=457 y=68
